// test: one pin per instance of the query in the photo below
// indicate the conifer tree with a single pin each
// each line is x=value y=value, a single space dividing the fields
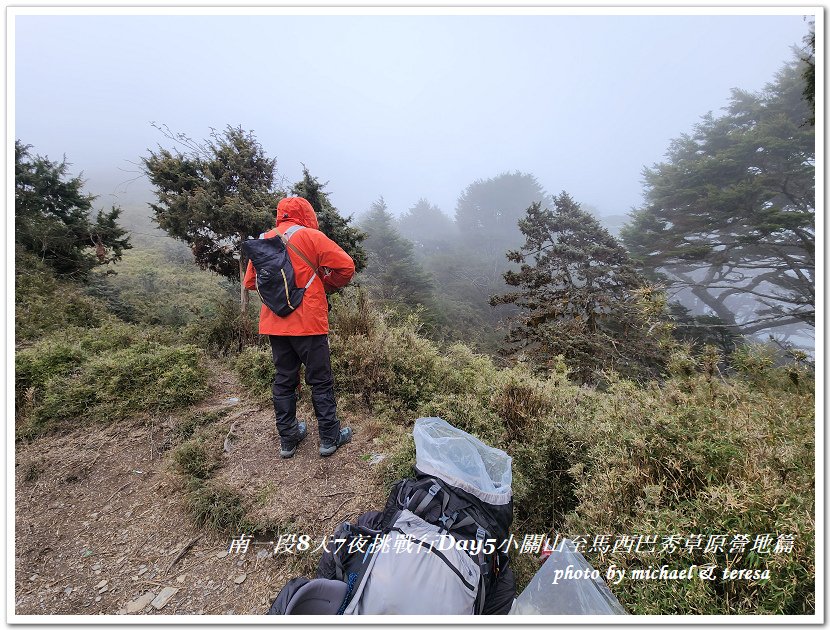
x=486 y=215
x=213 y=196
x=428 y=228
x=579 y=296
x=392 y=275
x=53 y=217
x=809 y=72
x=729 y=218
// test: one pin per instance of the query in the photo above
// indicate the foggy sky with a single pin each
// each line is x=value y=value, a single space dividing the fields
x=399 y=106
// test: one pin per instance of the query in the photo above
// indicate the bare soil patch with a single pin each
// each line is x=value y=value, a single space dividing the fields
x=100 y=514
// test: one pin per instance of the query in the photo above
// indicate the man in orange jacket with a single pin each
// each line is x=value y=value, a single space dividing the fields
x=302 y=336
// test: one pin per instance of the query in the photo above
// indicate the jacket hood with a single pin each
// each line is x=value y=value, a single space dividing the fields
x=296 y=210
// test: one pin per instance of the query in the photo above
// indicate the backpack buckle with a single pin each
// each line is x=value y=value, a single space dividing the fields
x=447 y=521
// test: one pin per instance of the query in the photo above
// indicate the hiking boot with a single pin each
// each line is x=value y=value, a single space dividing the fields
x=344 y=437
x=285 y=453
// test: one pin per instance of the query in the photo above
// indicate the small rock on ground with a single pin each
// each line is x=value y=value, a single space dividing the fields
x=139 y=604
x=161 y=600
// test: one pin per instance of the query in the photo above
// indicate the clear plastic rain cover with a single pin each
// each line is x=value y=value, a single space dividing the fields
x=463 y=461
x=567 y=585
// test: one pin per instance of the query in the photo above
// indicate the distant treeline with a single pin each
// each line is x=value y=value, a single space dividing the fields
x=723 y=247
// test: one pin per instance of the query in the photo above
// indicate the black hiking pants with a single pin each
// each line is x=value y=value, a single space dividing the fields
x=313 y=352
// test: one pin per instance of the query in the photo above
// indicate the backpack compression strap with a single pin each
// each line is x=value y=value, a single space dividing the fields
x=428 y=497
x=450 y=523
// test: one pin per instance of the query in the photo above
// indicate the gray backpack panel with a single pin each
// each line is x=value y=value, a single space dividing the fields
x=417 y=571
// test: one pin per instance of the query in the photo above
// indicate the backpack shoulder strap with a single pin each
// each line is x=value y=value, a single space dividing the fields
x=291 y=231
x=286 y=237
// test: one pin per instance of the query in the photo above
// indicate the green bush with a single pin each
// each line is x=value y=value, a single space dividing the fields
x=61 y=354
x=193 y=421
x=212 y=503
x=255 y=368
x=519 y=399
x=44 y=304
x=352 y=313
x=113 y=334
x=159 y=284
x=468 y=413
x=194 y=460
x=221 y=327
x=756 y=361
x=383 y=366
x=698 y=453
x=34 y=367
x=466 y=371
x=215 y=506
x=401 y=462
x=110 y=385
x=768 y=367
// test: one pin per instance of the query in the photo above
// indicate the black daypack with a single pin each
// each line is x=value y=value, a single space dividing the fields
x=275 y=281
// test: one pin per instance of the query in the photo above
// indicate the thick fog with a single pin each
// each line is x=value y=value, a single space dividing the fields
x=404 y=107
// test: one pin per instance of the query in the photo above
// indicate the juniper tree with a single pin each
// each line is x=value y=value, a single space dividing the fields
x=53 y=217
x=214 y=195
x=729 y=218
x=580 y=296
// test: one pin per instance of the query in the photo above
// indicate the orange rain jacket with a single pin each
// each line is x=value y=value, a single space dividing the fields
x=334 y=270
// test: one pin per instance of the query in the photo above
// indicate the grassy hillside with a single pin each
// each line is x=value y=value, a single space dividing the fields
x=698 y=454
x=708 y=451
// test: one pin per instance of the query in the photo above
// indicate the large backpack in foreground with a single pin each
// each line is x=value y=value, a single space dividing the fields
x=434 y=549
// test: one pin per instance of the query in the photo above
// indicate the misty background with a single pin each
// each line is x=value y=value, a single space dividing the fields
x=404 y=107
x=558 y=251
x=401 y=118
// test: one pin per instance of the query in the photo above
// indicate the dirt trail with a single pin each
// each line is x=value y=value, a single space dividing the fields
x=101 y=515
